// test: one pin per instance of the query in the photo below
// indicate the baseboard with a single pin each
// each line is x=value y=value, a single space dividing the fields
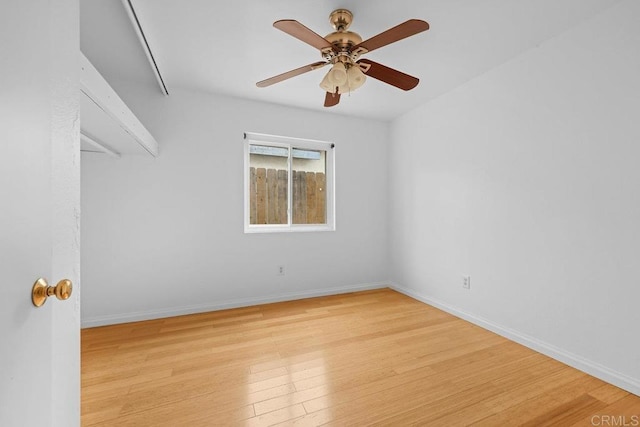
x=632 y=385
x=93 y=322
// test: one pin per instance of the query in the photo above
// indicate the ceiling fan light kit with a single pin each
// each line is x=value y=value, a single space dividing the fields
x=356 y=77
x=342 y=50
x=352 y=79
x=338 y=74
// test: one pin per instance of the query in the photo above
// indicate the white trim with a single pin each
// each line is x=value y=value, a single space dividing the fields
x=246 y=183
x=98 y=90
x=236 y=303
x=618 y=379
x=283 y=228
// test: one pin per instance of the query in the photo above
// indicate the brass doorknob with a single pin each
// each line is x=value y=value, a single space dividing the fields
x=41 y=291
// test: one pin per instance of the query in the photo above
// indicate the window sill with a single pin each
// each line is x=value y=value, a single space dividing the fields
x=251 y=229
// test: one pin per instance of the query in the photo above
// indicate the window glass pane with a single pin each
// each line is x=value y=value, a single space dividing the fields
x=309 y=199
x=268 y=184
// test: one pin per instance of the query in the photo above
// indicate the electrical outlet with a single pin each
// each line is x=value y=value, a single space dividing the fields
x=466 y=282
x=281 y=270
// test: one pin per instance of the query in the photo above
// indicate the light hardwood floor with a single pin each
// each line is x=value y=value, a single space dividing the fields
x=367 y=358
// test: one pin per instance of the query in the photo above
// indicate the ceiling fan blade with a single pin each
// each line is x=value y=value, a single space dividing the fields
x=331 y=99
x=299 y=31
x=292 y=73
x=392 y=35
x=389 y=75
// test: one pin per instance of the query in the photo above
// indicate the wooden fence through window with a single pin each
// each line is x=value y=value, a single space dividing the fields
x=268 y=193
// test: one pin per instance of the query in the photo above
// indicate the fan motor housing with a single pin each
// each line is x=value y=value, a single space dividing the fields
x=344 y=39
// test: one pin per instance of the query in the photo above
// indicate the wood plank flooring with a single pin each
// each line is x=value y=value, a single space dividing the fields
x=367 y=358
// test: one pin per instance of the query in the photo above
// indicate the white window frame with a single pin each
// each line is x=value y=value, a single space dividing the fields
x=251 y=138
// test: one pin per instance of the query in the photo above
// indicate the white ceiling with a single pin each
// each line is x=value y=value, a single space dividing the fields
x=226 y=47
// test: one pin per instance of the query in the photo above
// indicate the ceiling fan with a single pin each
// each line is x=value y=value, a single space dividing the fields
x=342 y=49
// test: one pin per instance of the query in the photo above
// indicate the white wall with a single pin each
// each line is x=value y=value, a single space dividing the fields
x=527 y=179
x=164 y=236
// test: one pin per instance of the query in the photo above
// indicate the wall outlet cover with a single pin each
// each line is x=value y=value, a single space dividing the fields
x=466 y=282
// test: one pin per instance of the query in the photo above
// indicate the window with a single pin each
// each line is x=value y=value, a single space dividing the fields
x=289 y=184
